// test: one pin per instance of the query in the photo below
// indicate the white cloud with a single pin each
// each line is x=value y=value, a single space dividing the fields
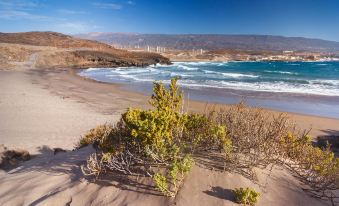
x=18 y=4
x=17 y=14
x=20 y=9
x=67 y=11
x=75 y=27
x=131 y=2
x=108 y=6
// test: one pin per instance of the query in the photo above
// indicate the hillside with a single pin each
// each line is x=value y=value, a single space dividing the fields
x=215 y=41
x=58 y=50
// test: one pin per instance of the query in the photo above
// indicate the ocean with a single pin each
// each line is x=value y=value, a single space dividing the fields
x=302 y=87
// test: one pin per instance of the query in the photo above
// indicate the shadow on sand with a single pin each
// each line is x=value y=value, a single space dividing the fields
x=331 y=138
x=70 y=162
x=221 y=193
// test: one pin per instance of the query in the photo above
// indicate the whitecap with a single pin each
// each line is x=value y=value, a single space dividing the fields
x=281 y=72
x=276 y=87
x=329 y=82
x=92 y=69
x=238 y=75
x=187 y=68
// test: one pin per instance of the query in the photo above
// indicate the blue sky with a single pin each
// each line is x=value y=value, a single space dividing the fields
x=306 y=18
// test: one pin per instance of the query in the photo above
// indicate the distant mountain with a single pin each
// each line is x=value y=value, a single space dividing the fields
x=215 y=41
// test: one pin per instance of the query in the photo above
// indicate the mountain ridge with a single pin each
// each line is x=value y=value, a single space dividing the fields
x=216 y=41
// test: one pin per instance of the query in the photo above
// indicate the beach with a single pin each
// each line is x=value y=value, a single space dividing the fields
x=45 y=109
x=51 y=107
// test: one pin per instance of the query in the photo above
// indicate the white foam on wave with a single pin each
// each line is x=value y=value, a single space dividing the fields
x=229 y=74
x=192 y=63
x=222 y=64
x=132 y=70
x=329 y=82
x=161 y=65
x=174 y=74
x=187 y=68
x=92 y=69
x=227 y=80
x=135 y=78
x=210 y=72
x=238 y=75
x=276 y=87
x=281 y=72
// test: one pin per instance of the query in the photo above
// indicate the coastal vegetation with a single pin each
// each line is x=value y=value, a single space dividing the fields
x=246 y=196
x=163 y=143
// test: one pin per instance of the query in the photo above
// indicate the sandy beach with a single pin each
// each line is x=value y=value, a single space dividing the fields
x=42 y=109
x=180 y=103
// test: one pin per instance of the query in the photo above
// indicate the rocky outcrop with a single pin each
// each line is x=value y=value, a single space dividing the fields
x=56 y=50
x=106 y=59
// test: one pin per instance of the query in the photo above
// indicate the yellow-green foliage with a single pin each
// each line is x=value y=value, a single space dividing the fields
x=294 y=146
x=159 y=127
x=316 y=167
x=203 y=133
x=169 y=184
x=164 y=137
x=160 y=182
x=246 y=196
x=301 y=151
x=165 y=126
x=95 y=135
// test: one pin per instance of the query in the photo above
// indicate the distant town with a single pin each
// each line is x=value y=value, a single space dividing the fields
x=233 y=54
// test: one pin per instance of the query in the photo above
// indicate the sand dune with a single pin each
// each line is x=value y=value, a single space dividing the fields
x=57 y=180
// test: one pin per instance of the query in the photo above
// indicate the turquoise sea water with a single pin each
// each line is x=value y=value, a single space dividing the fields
x=319 y=78
x=304 y=87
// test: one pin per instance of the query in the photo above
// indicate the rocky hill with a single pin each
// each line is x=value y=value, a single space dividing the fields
x=59 y=50
x=216 y=41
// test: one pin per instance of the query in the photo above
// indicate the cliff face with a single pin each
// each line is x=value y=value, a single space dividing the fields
x=59 y=50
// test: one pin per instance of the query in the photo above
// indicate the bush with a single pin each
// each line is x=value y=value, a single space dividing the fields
x=315 y=167
x=246 y=196
x=254 y=135
x=95 y=135
x=260 y=139
x=169 y=184
x=155 y=142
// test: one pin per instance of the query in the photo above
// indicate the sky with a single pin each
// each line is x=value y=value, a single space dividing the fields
x=301 y=18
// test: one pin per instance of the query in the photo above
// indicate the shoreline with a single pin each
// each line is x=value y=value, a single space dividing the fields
x=313 y=104
x=126 y=98
x=218 y=60
x=62 y=105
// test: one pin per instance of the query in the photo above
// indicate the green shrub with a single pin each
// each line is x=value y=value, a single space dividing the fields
x=202 y=133
x=95 y=135
x=253 y=133
x=160 y=182
x=169 y=184
x=318 y=168
x=157 y=142
x=246 y=196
